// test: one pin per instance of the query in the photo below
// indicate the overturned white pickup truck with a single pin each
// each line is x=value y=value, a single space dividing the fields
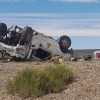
x=28 y=44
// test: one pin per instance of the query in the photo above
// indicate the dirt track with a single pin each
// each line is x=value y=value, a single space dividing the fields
x=85 y=87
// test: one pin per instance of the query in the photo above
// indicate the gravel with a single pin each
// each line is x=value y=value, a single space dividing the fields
x=86 y=85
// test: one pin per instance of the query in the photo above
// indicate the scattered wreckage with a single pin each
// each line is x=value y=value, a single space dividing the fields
x=26 y=43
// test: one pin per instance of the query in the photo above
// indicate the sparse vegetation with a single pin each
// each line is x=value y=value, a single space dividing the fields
x=35 y=82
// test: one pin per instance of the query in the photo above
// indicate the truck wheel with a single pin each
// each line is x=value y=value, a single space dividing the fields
x=27 y=33
x=64 y=43
x=64 y=50
x=3 y=29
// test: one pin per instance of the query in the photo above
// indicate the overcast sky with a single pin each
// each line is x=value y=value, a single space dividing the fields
x=56 y=17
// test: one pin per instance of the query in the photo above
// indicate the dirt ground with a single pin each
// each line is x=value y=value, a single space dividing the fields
x=85 y=87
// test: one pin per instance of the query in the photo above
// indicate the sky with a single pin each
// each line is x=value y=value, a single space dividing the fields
x=79 y=19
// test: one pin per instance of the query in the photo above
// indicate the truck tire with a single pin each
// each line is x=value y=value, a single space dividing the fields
x=64 y=50
x=3 y=29
x=64 y=43
x=27 y=34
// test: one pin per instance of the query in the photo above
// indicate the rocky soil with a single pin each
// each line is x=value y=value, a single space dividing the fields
x=86 y=85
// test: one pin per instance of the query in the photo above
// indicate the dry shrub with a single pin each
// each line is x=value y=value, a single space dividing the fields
x=32 y=82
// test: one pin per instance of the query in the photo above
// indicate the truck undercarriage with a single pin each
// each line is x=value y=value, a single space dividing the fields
x=26 y=43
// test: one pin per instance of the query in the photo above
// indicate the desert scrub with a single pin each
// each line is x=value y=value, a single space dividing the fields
x=36 y=82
